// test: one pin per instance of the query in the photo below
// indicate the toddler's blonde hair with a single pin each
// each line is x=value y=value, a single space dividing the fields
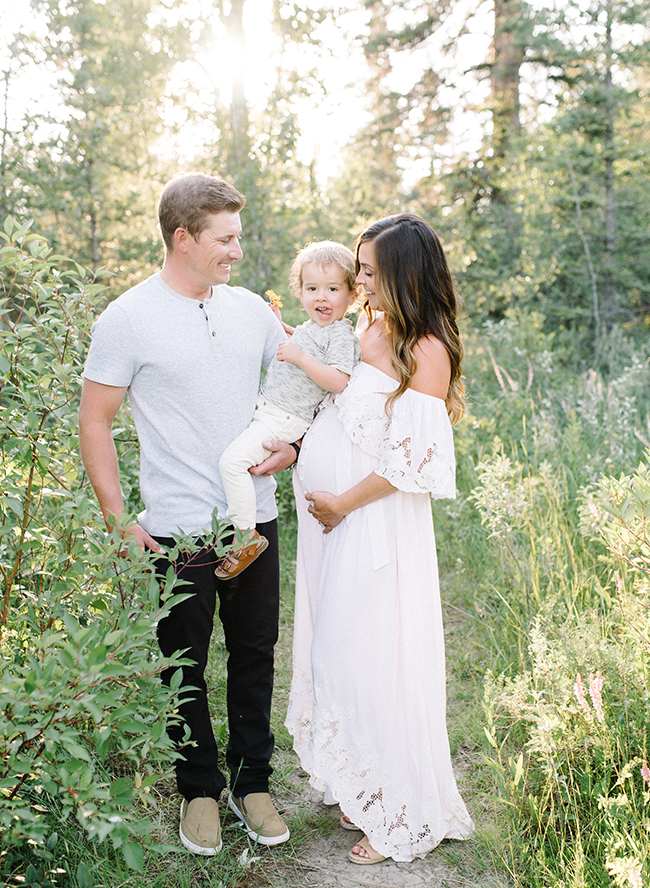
x=323 y=253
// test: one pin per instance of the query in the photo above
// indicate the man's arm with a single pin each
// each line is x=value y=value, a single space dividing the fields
x=99 y=405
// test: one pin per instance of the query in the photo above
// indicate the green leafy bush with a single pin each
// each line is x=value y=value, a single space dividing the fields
x=83 y=711
x=538 y=537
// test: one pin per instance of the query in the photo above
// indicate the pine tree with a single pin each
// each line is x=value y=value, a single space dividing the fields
x=93 y=182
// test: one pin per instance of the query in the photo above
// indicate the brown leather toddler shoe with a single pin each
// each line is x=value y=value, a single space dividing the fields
x=232 y=564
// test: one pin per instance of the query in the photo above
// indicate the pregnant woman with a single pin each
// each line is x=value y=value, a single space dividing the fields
x=367 y=705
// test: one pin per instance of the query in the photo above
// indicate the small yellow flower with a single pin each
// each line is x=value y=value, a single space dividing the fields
x=274 y=299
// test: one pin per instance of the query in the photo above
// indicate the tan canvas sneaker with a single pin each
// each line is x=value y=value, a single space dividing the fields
x=261 y=821
x=200 y=829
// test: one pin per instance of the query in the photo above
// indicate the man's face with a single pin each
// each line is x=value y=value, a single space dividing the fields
x=211 y=255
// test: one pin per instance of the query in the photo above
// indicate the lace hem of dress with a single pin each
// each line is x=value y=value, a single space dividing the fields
x=347 y=768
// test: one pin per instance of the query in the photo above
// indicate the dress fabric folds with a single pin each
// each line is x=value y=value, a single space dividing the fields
x=367 y=703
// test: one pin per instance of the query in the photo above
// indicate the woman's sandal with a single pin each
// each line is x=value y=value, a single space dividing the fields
x=346 y=823
x=232 y=564
x=373 y=856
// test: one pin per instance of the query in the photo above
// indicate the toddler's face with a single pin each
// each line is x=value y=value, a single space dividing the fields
x=325 y=293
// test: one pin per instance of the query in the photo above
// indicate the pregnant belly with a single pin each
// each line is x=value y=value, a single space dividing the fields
x=328 y=458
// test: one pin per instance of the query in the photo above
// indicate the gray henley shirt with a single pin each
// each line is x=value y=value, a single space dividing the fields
x=192 y=370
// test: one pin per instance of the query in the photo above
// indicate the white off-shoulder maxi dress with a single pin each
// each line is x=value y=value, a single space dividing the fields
x=367 y=703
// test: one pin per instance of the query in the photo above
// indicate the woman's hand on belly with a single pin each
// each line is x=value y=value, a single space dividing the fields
x=330 y=510
x=326 y=509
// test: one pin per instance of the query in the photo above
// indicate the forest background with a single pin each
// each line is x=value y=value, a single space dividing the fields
x=520 y=131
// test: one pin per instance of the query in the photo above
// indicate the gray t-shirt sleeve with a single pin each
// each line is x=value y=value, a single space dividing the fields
x=111 y=358
x=343 y=351
x=263 y=319
x=274 y=336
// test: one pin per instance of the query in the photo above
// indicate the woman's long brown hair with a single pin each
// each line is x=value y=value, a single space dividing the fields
x=414 y=285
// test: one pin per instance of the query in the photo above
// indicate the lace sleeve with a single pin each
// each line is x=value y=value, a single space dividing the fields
x=414 y=444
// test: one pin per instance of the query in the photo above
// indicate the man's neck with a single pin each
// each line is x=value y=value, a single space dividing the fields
x=177 y=279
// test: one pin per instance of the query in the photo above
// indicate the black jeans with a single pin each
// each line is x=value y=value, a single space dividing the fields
x=249 y=610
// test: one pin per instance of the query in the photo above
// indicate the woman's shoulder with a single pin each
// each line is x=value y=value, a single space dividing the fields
x=431 y=348
x=433 y=371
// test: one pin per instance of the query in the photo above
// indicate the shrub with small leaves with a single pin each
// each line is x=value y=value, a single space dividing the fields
x=83 y=712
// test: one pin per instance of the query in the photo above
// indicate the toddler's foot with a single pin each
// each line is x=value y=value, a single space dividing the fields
x=232 y=564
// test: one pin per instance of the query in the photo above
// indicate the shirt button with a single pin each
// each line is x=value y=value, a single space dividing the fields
x=213 y=333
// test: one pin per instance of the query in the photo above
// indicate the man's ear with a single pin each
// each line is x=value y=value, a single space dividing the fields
x=181 y=238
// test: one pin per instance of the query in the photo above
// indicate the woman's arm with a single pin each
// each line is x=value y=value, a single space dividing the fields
x=431 y=378
x=330 y=510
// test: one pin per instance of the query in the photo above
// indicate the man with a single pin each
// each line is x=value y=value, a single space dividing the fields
x=188 y=350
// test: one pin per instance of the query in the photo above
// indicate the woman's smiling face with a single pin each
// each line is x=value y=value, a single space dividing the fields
x=367 y=276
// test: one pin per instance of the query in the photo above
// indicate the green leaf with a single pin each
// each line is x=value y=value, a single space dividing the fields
x=81 y=754
x=176 y=680
x=112 y=637
x=83 y=877
x=491 y=739
x=121 y=789
x=133 y=856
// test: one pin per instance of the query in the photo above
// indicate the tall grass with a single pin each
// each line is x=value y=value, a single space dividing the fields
x=557 y=588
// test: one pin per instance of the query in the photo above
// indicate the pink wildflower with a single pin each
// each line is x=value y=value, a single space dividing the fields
x=645 y=772
x=595 y=687
x=579 y=689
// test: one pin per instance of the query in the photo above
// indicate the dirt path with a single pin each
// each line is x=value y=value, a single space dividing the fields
x=323 y=863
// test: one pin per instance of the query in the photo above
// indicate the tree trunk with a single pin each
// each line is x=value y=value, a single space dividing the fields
x=609 y=290
x=239 y=108
x=3 y=150
x=92 y=217
x=4 y=146
x=508 y=58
